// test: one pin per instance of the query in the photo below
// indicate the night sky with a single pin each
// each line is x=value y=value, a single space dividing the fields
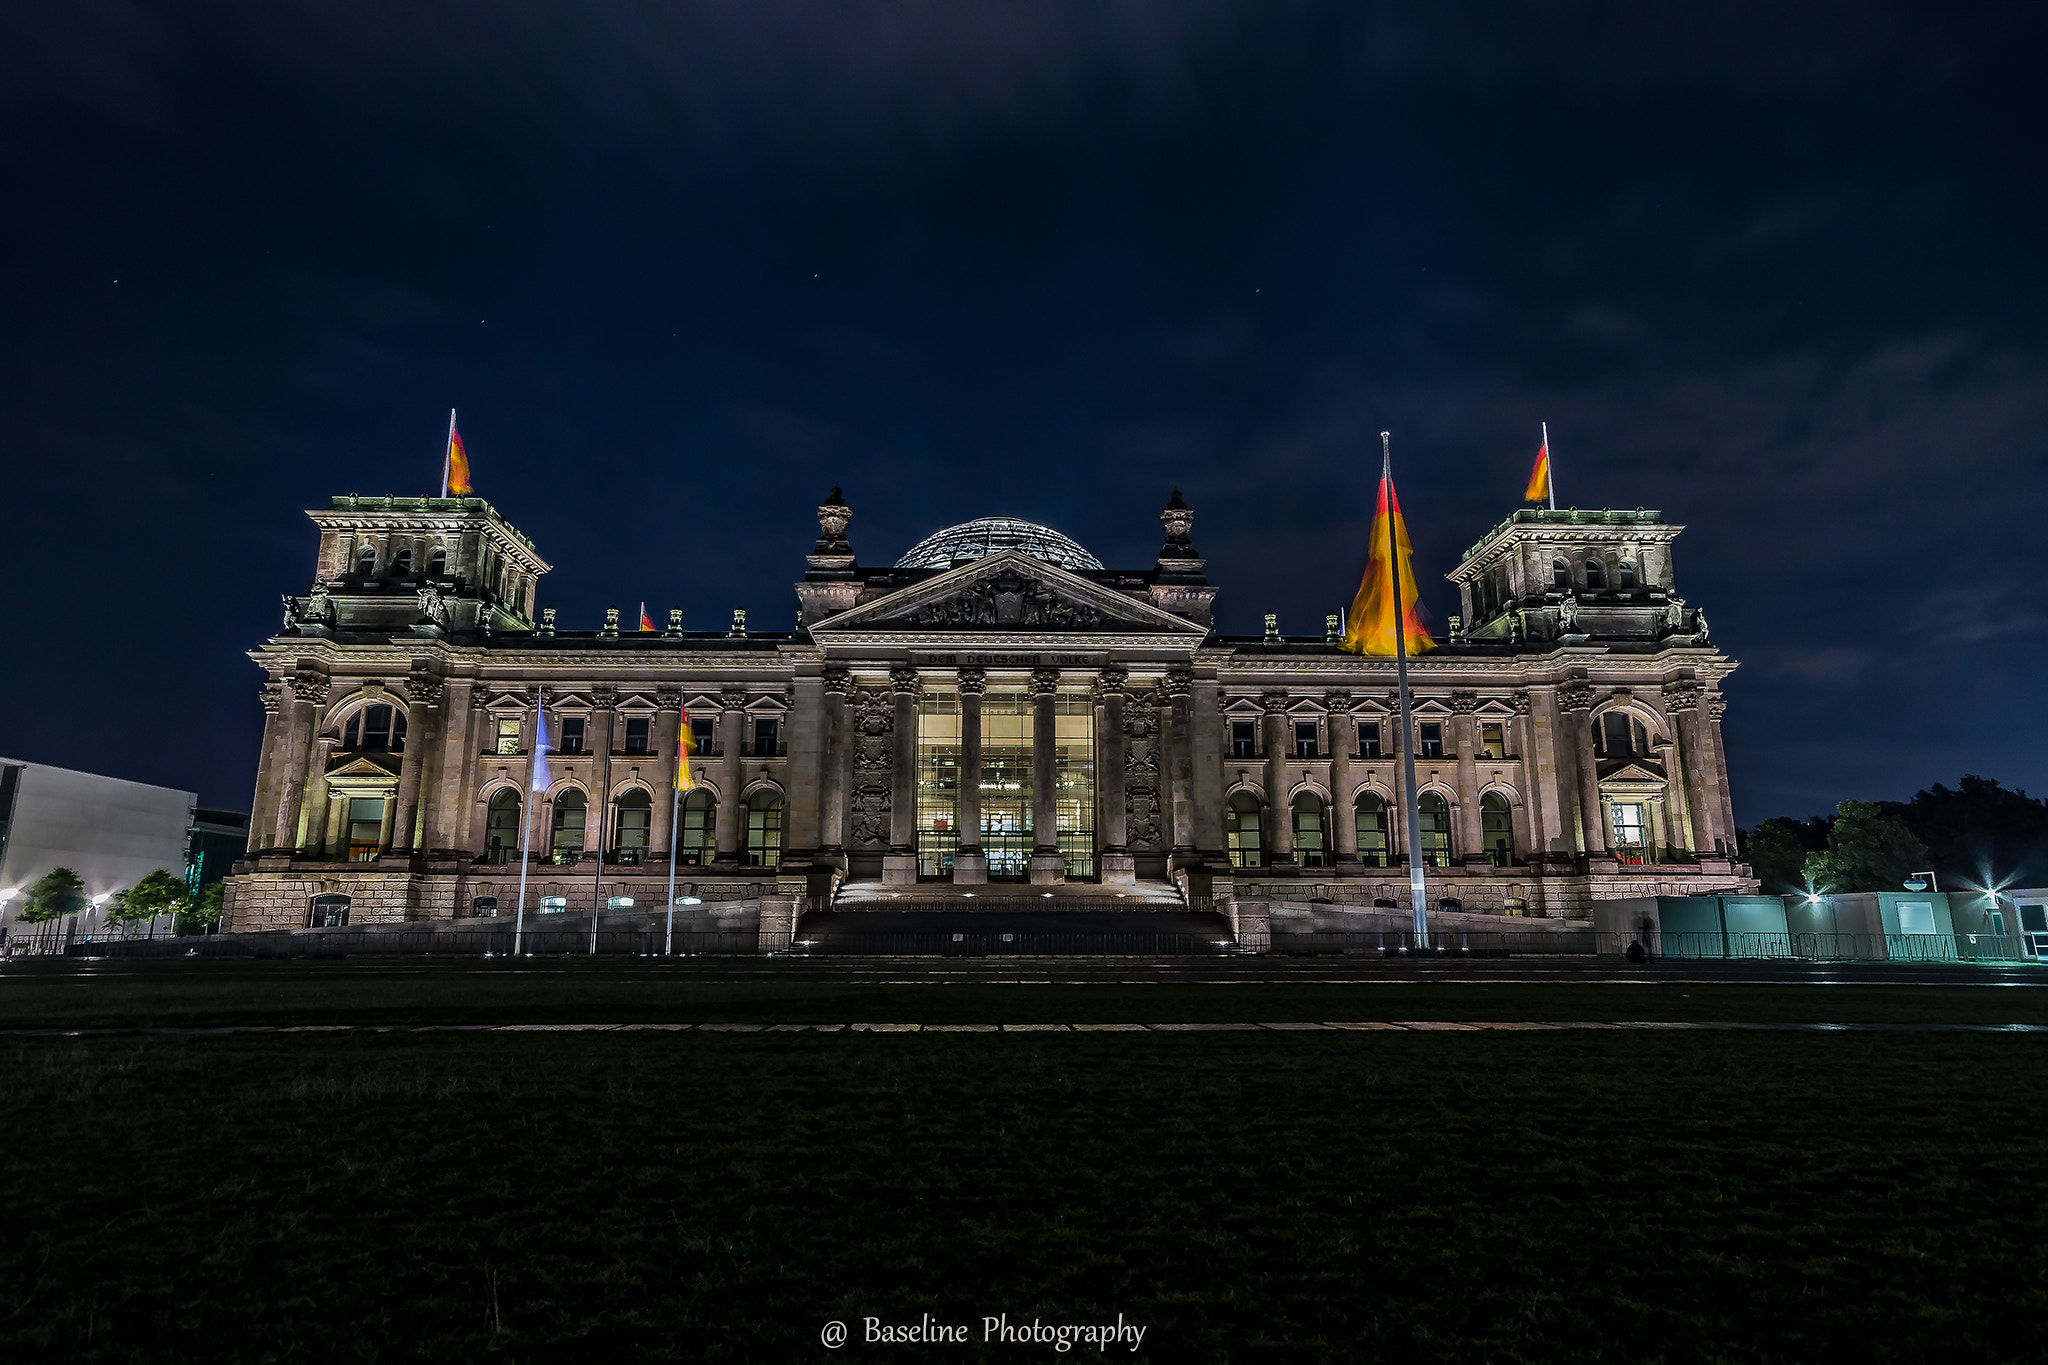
x=1777 y=270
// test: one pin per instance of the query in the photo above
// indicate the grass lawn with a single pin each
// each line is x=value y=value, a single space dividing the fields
x=1246 y=1196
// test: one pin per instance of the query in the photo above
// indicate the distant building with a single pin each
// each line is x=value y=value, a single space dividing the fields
x=110 y=831
x=219 y=838
x=995 y=705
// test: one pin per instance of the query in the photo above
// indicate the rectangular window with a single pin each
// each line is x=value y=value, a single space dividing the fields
x=508 y=735
x=1631 y=836
x=572 y=735
x=1432 y=739
x=767 y=733
x=1369 y=739
x=938 y=780
x=1304 y=739
x=1493 y=740
x=1244 y=742
x=1074 y=781
x=702 y=731
x=636 y=735
x=365 y=827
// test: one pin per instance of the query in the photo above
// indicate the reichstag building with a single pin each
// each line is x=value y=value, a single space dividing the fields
x=995 y=706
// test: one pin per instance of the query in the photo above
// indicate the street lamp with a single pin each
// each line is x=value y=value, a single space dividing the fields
x=1920 y=881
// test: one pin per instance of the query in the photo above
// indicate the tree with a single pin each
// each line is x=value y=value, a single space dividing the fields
x=1776 y=850
x=201 y=916
x=159 y=893
x=58 y=893
x=1868 y=850
x=1979 y=833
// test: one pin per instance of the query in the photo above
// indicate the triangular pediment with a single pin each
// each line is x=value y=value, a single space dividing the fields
x=1632 y=771
x=378 y=765
x=1009 y=592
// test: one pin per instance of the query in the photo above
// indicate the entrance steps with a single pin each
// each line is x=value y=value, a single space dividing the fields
x=1068 y=897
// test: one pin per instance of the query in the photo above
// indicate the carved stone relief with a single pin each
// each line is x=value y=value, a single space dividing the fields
x=1143 y=826
x=1007 y=599
x=873 y=715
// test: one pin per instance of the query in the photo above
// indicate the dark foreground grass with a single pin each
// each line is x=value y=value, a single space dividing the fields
x=1249 y=1197
x=569 y=990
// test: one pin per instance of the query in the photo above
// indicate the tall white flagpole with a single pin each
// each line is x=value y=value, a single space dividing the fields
x=1416 y=892
x=1549 y=469
x=447 y=452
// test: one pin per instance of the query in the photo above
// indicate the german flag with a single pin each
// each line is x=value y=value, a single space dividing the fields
x=1370 y=626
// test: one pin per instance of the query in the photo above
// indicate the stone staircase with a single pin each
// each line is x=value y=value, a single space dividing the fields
x=1013 y=897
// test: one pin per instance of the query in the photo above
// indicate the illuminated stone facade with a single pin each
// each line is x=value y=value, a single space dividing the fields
x=1568 y=731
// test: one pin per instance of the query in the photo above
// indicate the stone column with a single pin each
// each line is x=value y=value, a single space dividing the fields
x=832 y=776
x=276 y=733
x=1716 y=707
x=1180 y=701
x=318 y=802
x=732 y=715
x=1686 y=703
x=667 y=744
x=422 y=732
x=1341 y=732
x=597 y=820
x=1048 y=868
x=1677 y=816
x=307 y=691
x=1114 y=861
x=1465 y=735
x=1280 y=812
x=899 y=865
x=1575 y=701
x=451 y=793
x=389 y=825
x=1660 y=833
x=538 y=833
x=970 y=864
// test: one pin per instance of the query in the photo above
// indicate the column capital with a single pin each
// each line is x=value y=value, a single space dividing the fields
x=1520 y=701
x=1575 y=696
x=1717 y=706
x=903 y=678
x=1337 y=701
x=604 y=697
x=668 y=698
x=272 y=697
x=1180 y=682
x=1273 y=703
x=1464 y=703
x=973 y=680
x=424 y=689
x=837 y=679
x=1045 y=681
x=1111 y=682
x=732 y=699
x=1683 y=695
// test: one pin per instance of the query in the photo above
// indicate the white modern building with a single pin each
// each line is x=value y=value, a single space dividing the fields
x=109 y=831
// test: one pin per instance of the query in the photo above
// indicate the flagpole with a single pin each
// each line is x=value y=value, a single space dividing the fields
x=604 y=799
x=1549 y=469
x=1416 y=892
x=526 y=833
x=675 y=808
x=447 y=452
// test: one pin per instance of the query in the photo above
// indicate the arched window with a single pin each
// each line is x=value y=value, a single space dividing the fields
x=1372 y=830
x=437 y=563
x=1596 y=574
x=1496 y=829
x=366 y=559
x=1621 y=735
x=696 y=843
x=1308 y=831
x=1242 y=820
x=570 y=808
x=1435 y=829
x=501 y=827
x=1625 y=574
x=764 y=829
x=327 y=912
x=633 y=821
x=401 y=564
x=1560 y=574
x=380 y=726
x=484 y=907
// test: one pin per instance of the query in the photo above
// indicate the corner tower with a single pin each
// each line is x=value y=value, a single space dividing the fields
x=1575 y=576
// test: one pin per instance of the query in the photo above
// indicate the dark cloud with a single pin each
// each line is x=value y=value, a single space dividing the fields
x=1772 y=269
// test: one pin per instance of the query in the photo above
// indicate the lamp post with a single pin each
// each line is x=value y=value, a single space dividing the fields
x=97 y=902
x=1921 y=881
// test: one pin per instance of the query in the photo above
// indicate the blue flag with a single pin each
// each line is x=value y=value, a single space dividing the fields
x=541 y=778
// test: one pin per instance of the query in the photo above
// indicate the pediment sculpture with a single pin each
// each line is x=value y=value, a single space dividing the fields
x=1007 y=599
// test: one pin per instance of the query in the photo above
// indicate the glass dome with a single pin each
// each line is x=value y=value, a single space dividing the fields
x=990 y=535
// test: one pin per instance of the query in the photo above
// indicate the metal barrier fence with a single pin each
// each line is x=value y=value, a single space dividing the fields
x=1014 y=943
x=1395 y=942
x=419 y=942
x=1690 y=946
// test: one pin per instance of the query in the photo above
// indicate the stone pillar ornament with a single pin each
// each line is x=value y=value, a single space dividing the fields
x=317 y=799
x=1465 y=735
x=1180 y=701
x=732 y=715
x=970 y=864
x=899 y=865
x=1048 y=868
x=1342 y=733
x=1575 y=701
x=422 y=731
x=1114 y=862
x=832 y=788
x=1280 y=817
x=675 y=622
x=308 y=691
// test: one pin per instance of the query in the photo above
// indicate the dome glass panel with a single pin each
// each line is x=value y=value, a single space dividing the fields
x=985 y=536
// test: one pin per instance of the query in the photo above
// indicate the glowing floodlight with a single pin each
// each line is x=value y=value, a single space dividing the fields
x=688 y=900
